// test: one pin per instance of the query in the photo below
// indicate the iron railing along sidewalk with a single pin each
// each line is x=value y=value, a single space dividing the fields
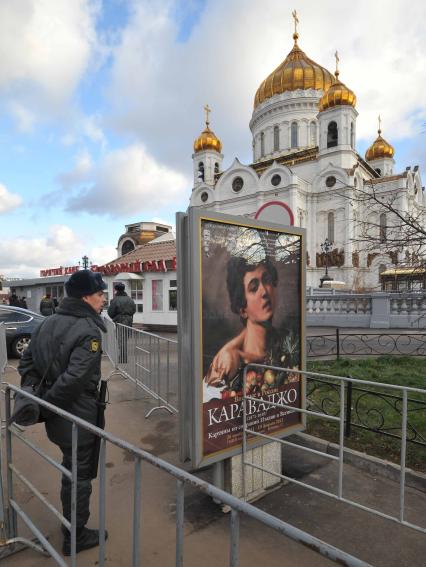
x=340 y=421
x=182 y=478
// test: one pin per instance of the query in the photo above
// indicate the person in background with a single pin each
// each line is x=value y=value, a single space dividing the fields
x=66 y=348
x=47 y=305
x=23 y=303
x=14 y=300
x=121 y=311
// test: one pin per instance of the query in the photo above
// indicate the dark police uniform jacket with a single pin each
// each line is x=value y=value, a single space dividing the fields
x=71 y=338
x=122 y=309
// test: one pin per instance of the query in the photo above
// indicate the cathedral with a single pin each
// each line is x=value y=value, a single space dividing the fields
x=306 y=171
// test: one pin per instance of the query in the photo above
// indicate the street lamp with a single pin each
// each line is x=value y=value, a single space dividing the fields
x=85 y=262
x=326 y=246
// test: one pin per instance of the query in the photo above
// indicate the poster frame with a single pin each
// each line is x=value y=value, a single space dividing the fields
x=189 y=234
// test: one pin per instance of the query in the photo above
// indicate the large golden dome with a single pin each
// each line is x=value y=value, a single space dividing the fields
x=338 y=94
x=297 y=71
x=380 y=148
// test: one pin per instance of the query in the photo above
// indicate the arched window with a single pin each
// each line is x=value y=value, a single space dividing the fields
x=382 y=227
x=378 y=170
x=127 y=247
x=276 y=138
x=294 y=135
x=330 y=227
x=352 y=136
x=201 y=171
x=262 y=144
x=216 y=168
x=313 y=134
x=332 y=135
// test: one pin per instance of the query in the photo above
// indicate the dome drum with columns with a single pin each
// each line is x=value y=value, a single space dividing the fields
x=304 y=156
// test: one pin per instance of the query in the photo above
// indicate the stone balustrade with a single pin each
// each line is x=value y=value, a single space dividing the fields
x=372 y=310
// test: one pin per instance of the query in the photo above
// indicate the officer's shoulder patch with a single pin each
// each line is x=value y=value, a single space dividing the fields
x=94 y=345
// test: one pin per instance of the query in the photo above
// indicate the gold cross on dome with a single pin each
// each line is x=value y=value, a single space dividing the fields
x=296 y=20
x=336 y=55
x=380 y=125
x=208 y=110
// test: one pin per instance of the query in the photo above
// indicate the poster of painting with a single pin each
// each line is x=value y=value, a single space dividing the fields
x=252 y=282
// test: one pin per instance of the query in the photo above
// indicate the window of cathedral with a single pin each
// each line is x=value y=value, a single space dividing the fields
x=330 y=181
x=204 y=196
x=127 y=247
x=276 y=180
x=330 y=227
x=352 y=136
x=382 y=227
x=313 y=129
x=378 y=170
x=262 y=144
x=294 y=135
x=332 y=135
x=216 y=168
x=201 y=171
x=276 y=138
x=237 y=184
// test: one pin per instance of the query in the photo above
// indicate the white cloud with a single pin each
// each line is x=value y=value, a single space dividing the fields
x=158 y=86
x=129 y=181
x=80 y=173
x=8 y=201
x=45 y=48
x=61 y=246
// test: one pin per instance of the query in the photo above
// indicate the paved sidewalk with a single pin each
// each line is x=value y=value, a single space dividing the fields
x=378 y=541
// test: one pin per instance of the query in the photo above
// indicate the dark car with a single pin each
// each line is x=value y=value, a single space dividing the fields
x=19 y=323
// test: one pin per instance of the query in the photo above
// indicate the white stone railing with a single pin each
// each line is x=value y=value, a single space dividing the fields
x=374 y=310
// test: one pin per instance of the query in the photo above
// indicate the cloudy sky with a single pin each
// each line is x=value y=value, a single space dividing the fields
x=100 y=102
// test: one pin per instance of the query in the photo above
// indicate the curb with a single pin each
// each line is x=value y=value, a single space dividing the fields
x=372 y=465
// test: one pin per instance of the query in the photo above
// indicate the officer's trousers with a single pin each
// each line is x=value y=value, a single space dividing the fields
x=84 y=483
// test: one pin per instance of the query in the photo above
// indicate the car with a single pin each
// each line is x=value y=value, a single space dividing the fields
x=19 y=323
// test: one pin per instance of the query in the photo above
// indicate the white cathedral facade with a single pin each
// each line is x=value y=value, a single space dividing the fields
x=305 y=169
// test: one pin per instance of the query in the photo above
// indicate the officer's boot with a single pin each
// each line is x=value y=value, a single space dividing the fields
x=86 y=539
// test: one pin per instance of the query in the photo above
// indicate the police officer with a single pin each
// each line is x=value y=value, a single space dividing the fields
x=121 y=311
x=67 y=346
x=122 y=307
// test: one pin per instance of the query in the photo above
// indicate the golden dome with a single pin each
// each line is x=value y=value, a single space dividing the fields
x=338 y=94
x=297 y=71
x=380 y=148
x=207 y=140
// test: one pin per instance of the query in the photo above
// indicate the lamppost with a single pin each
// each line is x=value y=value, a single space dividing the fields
x=326 y=246
x=85 y=262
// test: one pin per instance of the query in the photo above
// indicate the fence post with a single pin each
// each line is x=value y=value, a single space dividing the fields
x=337 y=343
x=348 y=409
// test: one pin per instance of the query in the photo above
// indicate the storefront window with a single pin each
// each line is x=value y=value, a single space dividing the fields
x=136 y=289
x=55 y=291
x=157 y=295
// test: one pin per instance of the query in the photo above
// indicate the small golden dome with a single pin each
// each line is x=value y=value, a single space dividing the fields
x=338 y=94
x=207 y=140
x=297 y=71
x=380 y=148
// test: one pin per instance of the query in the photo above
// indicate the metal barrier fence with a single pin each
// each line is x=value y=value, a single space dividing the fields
x=138 y=455
x=366 y=344
x=3 y=349
x=148 y=360
x=339 y=420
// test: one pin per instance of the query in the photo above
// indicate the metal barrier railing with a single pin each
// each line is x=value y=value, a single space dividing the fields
x=148 y=360
x=182 y=477
x=339 y=419
x=3 y=348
